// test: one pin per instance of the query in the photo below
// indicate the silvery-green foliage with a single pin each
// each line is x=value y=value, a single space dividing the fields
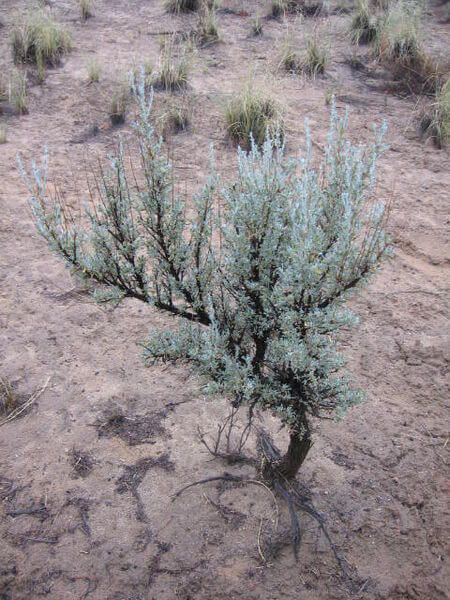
x=260 y=269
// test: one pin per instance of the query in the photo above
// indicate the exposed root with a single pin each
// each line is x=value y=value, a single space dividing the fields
x=296 y=499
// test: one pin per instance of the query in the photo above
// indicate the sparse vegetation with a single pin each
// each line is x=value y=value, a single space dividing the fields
x=252 y=115
x=363 y=27
x=9 y=401
x=290 y=61
x=3 y=134
x=399 y=47
x=398 y=32
x=119 y=103
x=37 y=38
x=259 y=286
x=86 y=9
x=93 y=71
x=278 y=8
x=207 y=31
x=179 y=6
x=435 y=122
x=17 y=91
x=257 y=26
x=316 y=57
x=177 y=117
x=174 y=66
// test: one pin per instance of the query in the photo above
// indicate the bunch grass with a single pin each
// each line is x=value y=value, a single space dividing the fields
x=86 y=9
x=174 y=66
x=17 y=91
x=182 y=6
x=37 y=38
x=435 y=122
x=119 y=103
x=252 y=115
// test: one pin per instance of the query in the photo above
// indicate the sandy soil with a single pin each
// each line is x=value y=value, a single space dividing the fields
x=85 y=500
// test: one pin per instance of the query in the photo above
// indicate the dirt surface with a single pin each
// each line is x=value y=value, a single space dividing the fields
x=86 y=507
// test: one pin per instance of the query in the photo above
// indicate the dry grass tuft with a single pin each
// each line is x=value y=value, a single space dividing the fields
x=177 y=117
x=37 y=38
x=316 y=58
x=207 y=31
x=398 y=46
x=17 y=91
x=174 y=67
x=435 y=122
x=182 y=6
x=252 y=115
x=257 y=26
x=363 y=27
x=3 y=134
x=307 y=8
x=86 y=9
x=94 y=71
x=119 y=103
x=290 y=61
x=9 y=401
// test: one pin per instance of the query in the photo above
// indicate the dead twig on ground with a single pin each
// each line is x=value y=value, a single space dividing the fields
x=23 y=407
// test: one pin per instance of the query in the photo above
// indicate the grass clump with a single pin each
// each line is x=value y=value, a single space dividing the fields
x=398 y=33
x=94 y=71
x=37 y=38
x=9 y=401
x=182 y=6
x=86 y=9
x=316 y=58
x=3 y=134
x=435 y=122
x=278 y=8
x=252 y=115
x=177 y=118
x=17 y=91
x=207 y=31
x=363 y=27
x=290 y=61
x=173 y=72
x=257 y=26
x=398 y=46
x=119 y=103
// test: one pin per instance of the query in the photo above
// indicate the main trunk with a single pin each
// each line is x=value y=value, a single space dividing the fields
x=299 y=445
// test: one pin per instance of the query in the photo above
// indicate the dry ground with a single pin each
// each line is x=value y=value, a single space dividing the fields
x=85 y=498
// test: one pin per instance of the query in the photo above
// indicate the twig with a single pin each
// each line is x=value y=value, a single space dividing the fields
x=226 y=477
x=258 y=540
x=18 y=411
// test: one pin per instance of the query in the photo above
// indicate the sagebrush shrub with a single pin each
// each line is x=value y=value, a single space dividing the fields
x=257 y=271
